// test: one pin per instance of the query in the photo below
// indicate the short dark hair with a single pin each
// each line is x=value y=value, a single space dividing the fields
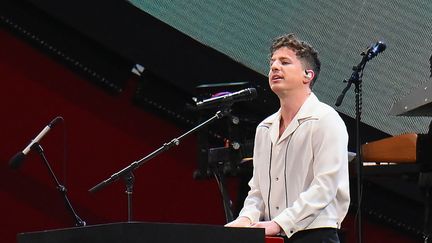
x=304 y=51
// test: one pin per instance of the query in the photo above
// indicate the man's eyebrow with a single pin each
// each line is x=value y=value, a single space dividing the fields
x=281 y=58
x=285 y=58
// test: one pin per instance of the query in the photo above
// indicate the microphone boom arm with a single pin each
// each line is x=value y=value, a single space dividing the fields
x=136 y=164
x=355 y=78
x=126 y=172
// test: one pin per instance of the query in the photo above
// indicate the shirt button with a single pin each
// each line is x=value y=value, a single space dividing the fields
x=277 y=208
x=277 y=178
x=291 y=231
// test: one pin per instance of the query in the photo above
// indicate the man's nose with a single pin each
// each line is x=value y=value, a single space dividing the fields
x=274 y=66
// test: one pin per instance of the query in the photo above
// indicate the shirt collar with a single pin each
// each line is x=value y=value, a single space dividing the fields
x=304 y=113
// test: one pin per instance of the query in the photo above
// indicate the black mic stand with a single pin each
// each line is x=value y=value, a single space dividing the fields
x=219 y=167
x=220 y=179
x=126 y=172
x=356 y=78
x=62 y=189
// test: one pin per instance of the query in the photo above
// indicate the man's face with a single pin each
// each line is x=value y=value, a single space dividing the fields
x=286 y=73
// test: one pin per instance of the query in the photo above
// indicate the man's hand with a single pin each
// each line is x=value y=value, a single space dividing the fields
x=271 y=227
x=240 y=222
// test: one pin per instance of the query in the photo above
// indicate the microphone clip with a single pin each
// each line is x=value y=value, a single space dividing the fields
x=373 y=50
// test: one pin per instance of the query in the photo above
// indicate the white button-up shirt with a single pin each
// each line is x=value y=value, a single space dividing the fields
x=300 y=179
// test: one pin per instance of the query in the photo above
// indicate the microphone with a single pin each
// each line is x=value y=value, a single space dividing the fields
x=16 y=161
x=375 y=49
x=242 y=95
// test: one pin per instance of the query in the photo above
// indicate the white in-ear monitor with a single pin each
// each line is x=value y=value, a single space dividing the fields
x=308 y=74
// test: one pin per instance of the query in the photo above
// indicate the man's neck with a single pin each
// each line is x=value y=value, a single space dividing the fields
x=290 y=105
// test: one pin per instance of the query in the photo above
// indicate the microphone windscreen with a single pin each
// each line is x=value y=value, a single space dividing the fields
x=16 y=161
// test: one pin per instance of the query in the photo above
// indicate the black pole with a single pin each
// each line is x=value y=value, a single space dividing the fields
x=359 y=159
x=220 y=179
x=62 y=189
x=356 y=79
x=129 y=181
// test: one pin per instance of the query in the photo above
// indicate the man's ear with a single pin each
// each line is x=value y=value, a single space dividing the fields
x=309 y=74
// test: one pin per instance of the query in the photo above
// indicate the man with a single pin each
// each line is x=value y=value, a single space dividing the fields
x=300 y=184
